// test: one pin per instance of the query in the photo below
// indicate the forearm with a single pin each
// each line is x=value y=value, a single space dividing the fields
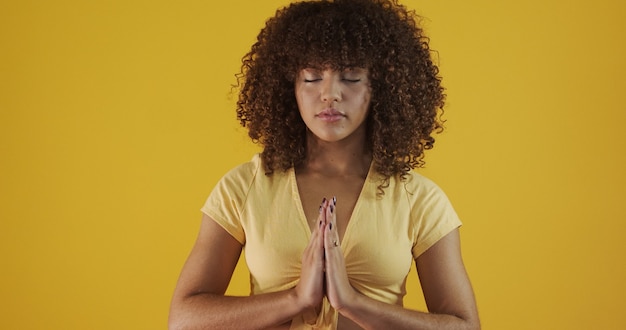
x=372 y=314
x=211 y=311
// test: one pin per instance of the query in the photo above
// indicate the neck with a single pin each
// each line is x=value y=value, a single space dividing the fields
x=340 y=158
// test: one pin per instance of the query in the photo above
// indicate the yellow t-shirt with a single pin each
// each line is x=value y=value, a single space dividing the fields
x=384 y=235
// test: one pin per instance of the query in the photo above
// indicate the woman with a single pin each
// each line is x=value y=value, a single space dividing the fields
x=343 y=97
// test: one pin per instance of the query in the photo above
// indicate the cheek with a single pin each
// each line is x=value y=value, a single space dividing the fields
x=365 y=98
x=303 y=94
x=304 y=101
x=300 y=97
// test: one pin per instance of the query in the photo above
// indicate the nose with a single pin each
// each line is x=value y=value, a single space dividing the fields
x=331 y=88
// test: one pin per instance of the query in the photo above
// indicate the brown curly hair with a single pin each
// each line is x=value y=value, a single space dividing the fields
x=381 y=36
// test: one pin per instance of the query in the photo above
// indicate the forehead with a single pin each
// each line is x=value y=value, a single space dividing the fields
x=314 y=69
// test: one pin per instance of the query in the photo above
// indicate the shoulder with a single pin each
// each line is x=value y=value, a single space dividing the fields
x=423 y=195
x=243 y=174
x=247 y=169
x=238 y=180
x=415 y=184
x=432 y=213
x=417 y=181
x=250 y=175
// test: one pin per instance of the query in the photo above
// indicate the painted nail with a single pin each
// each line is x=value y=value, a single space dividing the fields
x=323 y=200
x=320 y=210
x=332 y=208
x=334 y=200
x=330 y=226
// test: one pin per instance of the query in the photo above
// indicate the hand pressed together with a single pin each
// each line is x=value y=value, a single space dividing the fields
x=338 y=288
x=323 y=266
x=310 y=288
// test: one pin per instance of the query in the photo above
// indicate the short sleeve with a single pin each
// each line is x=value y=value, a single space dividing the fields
x=227 y=200
x=433 y=216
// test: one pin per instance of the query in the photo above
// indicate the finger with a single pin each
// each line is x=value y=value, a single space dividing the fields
x=316 y=242
x=331 y=233
x=317 y=237
x=333 y=217
x=322 y=212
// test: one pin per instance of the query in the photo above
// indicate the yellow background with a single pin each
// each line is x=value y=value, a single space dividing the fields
x=116 y=122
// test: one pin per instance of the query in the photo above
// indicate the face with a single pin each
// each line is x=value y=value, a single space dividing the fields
x=333 y=104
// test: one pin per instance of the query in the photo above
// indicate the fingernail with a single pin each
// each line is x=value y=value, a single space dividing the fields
x=330 y=226
x=334 y=200
x=320 y=223
x=323 y=200
x=320 y=210
x=332 y=208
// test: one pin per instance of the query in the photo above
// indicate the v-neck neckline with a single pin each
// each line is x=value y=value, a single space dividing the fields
x=304 y=221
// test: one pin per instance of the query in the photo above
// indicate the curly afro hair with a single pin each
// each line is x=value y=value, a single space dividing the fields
x=381 y=36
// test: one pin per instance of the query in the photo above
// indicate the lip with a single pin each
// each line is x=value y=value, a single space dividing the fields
x=330 y=115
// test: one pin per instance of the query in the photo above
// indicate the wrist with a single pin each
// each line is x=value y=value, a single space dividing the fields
x=352 y=299
x=299 y=301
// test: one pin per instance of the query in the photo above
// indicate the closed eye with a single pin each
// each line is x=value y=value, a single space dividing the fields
x=351 y=80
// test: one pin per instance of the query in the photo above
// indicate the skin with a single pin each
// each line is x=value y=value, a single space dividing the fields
x=345 y=94
x=337 y=158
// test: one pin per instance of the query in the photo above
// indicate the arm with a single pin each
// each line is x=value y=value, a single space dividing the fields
x=199 y=300
x=445 y=283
